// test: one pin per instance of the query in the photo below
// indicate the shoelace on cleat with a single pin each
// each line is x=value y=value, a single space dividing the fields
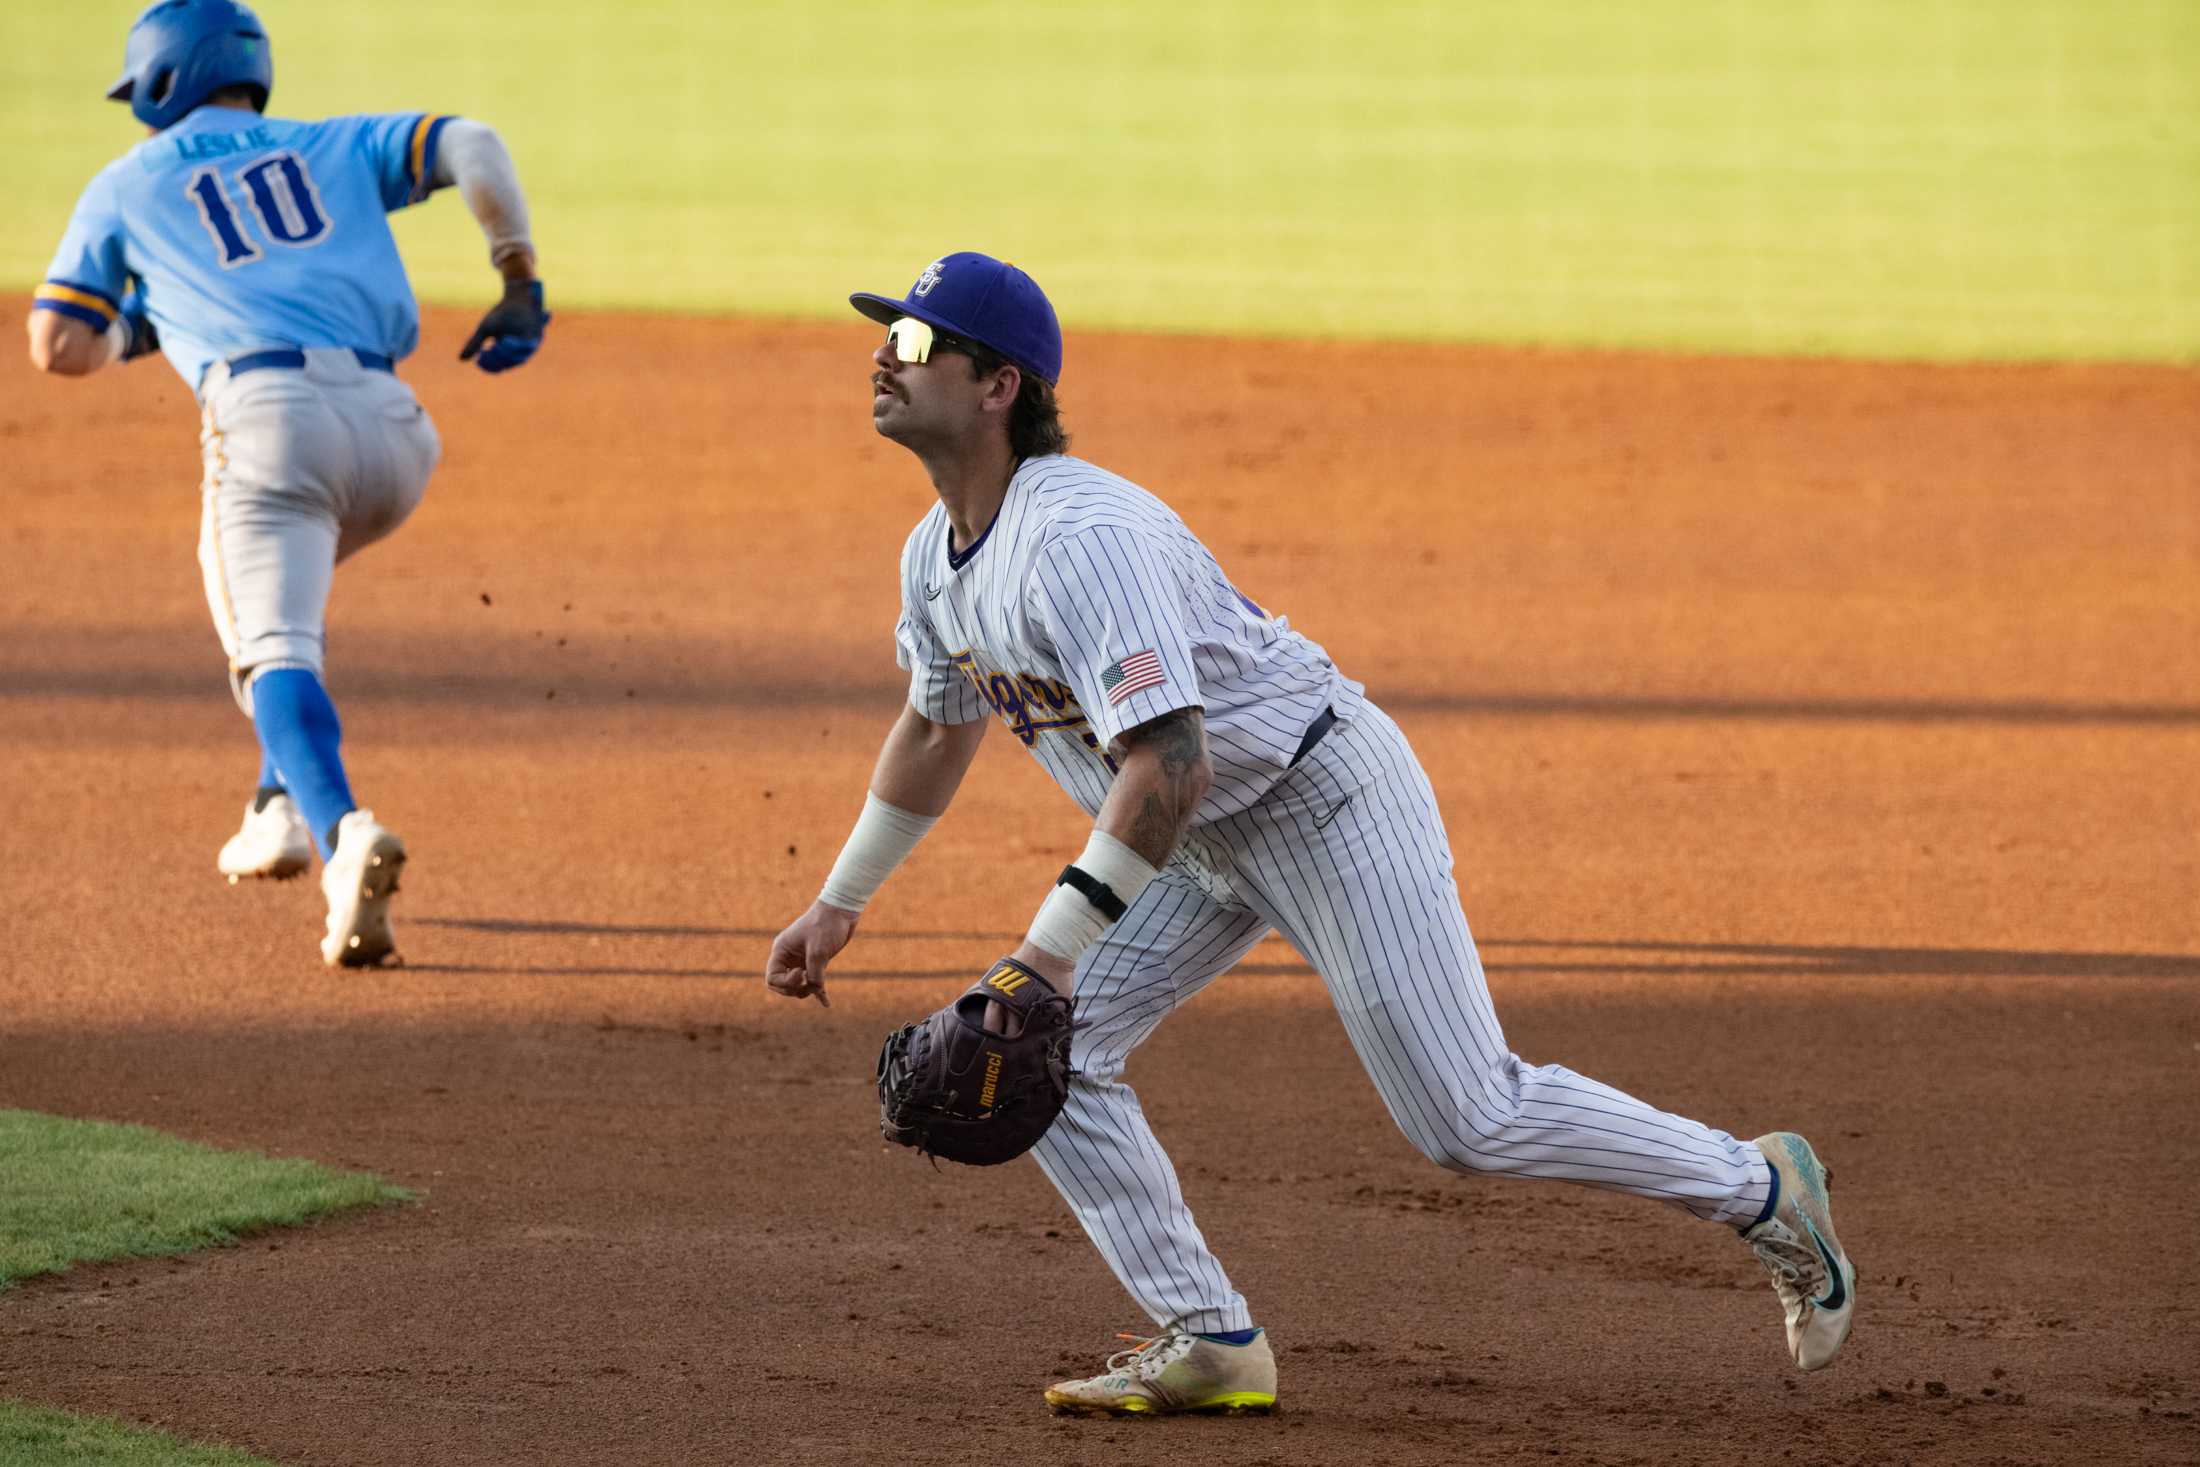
x=1147 y=1357
x=1794 y=1264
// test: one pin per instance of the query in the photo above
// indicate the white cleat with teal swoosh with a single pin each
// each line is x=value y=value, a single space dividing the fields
x=1812 y=1275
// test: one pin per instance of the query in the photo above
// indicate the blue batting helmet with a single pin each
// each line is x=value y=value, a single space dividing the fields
x=181 y=52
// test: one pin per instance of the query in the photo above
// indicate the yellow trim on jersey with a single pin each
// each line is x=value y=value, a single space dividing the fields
x=72 y=297
x=417 y=150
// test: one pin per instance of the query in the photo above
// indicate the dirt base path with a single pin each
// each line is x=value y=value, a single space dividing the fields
x=1820 y=744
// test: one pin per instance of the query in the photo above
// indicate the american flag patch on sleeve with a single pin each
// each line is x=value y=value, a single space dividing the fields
x=1122 y=678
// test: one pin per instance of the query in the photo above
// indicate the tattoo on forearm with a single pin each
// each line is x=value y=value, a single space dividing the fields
x=1180 y=742
x=1155 y=828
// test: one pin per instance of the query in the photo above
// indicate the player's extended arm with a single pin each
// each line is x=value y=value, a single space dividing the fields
x=473 y=158
x=68 y=347
x=919 y=769
x=922 y=763
x=1164 y=775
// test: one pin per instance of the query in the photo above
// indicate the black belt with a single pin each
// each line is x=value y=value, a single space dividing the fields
x=373 y=361
x=1314 y=731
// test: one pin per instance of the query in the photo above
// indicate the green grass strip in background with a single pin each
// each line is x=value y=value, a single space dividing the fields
x=1924 y=178
x=31 y=1436
x=74 y=1191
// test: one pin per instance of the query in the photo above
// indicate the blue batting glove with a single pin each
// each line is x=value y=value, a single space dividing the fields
x=143 y=339
x=516 y=324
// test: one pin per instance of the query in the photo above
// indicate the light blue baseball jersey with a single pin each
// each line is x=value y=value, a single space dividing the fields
x=251 y=233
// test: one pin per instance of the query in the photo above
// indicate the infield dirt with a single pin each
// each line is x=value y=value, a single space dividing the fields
x=1819 y=744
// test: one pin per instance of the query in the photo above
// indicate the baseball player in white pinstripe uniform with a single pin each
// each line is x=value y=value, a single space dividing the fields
x=1238 y=784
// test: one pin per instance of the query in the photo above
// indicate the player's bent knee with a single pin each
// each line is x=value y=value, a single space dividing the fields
x=242 y=677
x=1453 y=1158
x=1466 y=1149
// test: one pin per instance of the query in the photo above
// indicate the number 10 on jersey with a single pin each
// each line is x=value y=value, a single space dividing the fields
x=282 y=196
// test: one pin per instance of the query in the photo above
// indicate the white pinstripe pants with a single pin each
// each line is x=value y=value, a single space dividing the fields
x=1347 y=858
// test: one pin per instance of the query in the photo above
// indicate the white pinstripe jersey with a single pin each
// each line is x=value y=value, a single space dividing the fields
x=1088 y=608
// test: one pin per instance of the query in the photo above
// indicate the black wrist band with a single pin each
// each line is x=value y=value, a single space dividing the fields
x=1094 y=890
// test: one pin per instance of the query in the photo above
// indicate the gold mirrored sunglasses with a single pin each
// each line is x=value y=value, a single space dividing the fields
x=914 y=341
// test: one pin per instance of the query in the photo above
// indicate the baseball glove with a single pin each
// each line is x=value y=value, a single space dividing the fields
x=948 y=1087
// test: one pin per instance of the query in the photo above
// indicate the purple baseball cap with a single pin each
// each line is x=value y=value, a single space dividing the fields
x=985 y=300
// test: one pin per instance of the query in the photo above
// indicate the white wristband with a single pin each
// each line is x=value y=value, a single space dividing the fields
x=883 y=838
x=1093 y=891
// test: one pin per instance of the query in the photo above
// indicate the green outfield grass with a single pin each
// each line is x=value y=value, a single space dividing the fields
x=76 y=1191
x=31 y=1436
x=1935 y=178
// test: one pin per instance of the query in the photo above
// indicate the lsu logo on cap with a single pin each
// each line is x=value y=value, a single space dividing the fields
x=928 y=279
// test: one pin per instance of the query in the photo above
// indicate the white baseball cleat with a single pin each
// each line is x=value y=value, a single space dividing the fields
x=273 y=842
x=1175 y=1372
x=359 y=881
x=1813 y=1277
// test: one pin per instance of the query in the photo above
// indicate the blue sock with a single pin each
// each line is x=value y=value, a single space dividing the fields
x=1772 y=1197
x=299 y=730
x=1235 y=1337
